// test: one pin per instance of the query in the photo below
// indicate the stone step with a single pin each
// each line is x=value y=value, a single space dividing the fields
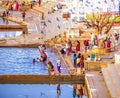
x=109 y=83
x=3 y=41
x=46 y=6
x=95 y=85
x=52 y=3
x=66 y=60
x=115 y=77
x=46 y=9
x=34 y=12
x=91 y=87
x=40 y=9
x=38 y=26
x=117 y=68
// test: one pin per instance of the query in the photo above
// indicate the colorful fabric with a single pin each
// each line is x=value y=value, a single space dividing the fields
x=48 y=66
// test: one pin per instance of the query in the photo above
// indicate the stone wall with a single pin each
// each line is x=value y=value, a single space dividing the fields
x=31 y=79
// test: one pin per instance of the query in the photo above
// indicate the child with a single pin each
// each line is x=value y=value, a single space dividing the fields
x=34 y=60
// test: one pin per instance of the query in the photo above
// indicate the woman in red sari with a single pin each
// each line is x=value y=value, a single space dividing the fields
x=39 y=2
x=82 y=63
x=78 y=46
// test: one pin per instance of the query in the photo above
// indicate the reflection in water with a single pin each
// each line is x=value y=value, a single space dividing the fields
x=58 y=91
x=79 y=91
x=38 y=91
x=74 y=91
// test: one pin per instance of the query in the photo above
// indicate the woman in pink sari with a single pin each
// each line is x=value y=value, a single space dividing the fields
x=17 y=6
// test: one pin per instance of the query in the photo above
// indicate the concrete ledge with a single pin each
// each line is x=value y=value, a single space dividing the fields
x=34 y=45
x=88 y=87
x=95 y=85
x=36 y=79
x=22 y=27
x=101 y=50
x=95 y=65
x=109 y=83
x=2 y=41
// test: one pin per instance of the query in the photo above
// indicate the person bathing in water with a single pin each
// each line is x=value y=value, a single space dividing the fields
x=36 y=60
x=43 y=56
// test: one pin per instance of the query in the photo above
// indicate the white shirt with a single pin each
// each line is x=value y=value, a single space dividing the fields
x=92 y=37
x=88 y=59
x=58 y=63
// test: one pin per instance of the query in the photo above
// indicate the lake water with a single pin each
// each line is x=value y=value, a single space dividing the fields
x=39 y=90
x=19 y=61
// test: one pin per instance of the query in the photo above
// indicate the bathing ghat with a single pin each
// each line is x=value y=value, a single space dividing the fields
x=99 y=75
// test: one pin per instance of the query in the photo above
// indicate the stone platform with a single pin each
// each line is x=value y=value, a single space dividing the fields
x=95 y=85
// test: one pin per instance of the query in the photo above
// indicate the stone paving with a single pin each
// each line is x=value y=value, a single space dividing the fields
x=35 y=25
x=96 y=85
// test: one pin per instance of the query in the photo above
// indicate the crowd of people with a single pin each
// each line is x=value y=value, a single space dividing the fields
x=50 y=66
x=79 y=91
x=13 y=6
x=78 y=61
x=78 y=58
x=109 y=41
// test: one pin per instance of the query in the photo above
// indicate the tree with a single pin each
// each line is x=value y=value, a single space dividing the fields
x=101 y=23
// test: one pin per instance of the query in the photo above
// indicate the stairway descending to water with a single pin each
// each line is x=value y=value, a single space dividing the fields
x=95 y=85
x=111 y=75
